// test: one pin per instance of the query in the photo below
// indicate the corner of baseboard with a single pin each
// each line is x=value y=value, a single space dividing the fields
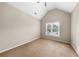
x=76 y=50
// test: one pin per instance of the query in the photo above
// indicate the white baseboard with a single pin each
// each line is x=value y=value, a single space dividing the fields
x=59 y=40
x=18 y=45
x=76 y=50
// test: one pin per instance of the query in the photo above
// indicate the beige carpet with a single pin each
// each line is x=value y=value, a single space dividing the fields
x=42 y=47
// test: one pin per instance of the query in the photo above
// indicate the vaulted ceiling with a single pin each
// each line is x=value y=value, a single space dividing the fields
x=39 y=9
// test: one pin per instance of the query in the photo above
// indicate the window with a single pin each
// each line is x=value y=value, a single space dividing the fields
x=53 y=29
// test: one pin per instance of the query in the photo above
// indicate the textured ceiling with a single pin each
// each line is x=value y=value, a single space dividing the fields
x=39 y=9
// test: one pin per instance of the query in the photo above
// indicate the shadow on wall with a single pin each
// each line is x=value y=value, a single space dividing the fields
x=64 y=18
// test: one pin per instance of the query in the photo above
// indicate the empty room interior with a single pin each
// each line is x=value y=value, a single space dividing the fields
x=39 y=29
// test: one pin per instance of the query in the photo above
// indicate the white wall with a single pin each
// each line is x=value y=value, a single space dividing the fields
x=75 y=29
x=16 y=27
